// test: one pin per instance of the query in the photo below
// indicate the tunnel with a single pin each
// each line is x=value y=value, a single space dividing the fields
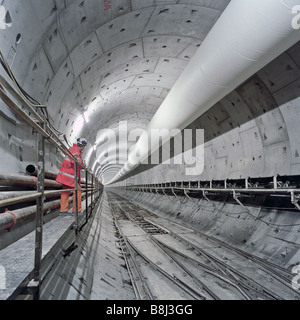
x=190 y=180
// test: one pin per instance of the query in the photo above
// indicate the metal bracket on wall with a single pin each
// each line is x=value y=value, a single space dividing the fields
x=204 y=193
x=174 y=193
x=186 y=193
x=235 y=197
x=295 y=199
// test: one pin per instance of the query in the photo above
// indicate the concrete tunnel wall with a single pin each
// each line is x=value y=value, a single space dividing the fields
x=251 y=132
x=254 y=131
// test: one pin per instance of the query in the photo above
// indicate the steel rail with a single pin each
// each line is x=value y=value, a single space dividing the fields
x=187 y=288
x=270 y=267
x=229 y=271
x=215 y=262
x=141 y=291
x=208 y=269
x=197 y=280
x=279 y=271
x=225 y=268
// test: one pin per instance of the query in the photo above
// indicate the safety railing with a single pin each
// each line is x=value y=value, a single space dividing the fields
x=36 y=120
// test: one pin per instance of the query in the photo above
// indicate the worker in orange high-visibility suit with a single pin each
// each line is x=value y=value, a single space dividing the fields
x=66 y=176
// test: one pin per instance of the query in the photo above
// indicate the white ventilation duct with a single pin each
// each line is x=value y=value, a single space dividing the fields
x=248 y=35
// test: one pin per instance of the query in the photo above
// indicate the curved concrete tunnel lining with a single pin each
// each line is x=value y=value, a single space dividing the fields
x=246 y=124
x=185 y=91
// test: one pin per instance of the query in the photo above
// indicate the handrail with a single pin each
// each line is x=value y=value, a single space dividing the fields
x=33 y=196
x=39 y=123
x=10 y=218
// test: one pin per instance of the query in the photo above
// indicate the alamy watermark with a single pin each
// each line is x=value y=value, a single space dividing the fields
x=296 y=19
x=155 y=146
x=2 y=278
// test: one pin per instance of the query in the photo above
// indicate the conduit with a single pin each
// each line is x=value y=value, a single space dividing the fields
x=248 y=35
x=18 y=180
x=7 y=220
x=4 y=195
x=33 y=170
x=30 y=197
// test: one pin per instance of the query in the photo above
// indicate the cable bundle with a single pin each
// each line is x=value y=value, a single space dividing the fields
x=30 y=100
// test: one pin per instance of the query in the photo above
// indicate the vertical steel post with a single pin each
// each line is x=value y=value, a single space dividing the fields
x=92 y=190
x=275 y=181
x=39 y=216
x=86 y=197
x=95 y=196
x=76 y=199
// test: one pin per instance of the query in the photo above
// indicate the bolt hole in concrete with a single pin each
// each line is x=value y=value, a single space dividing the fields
x=18 y=38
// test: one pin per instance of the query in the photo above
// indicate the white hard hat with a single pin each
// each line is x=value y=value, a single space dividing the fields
x=81 y=142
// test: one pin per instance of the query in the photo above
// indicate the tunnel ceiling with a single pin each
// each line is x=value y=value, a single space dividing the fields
x=112 y=60
x=95 y=63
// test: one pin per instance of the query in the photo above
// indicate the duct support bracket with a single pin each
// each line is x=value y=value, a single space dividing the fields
x=295 y=199
x=174 y=193
x=39 y=213
x=236 y=198
x=204 y=193
x=186 y=193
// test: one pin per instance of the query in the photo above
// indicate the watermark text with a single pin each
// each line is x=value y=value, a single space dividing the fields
x=155 y=146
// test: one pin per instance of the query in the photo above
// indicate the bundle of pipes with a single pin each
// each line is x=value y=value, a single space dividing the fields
x=32 y=171
x=10 y=199
x=8 y=219
x=26 y=181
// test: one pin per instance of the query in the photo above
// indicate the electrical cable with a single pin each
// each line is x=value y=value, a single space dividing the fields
x=30 y=100
x=270 y=224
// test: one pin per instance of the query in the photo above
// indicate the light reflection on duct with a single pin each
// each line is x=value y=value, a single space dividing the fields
x=78 y=125
x=88 y=155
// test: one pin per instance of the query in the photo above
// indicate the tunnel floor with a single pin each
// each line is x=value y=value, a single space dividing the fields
x=129 y=252
x=175 y=262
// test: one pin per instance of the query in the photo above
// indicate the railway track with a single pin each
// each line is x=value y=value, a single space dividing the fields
x=168 y=261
